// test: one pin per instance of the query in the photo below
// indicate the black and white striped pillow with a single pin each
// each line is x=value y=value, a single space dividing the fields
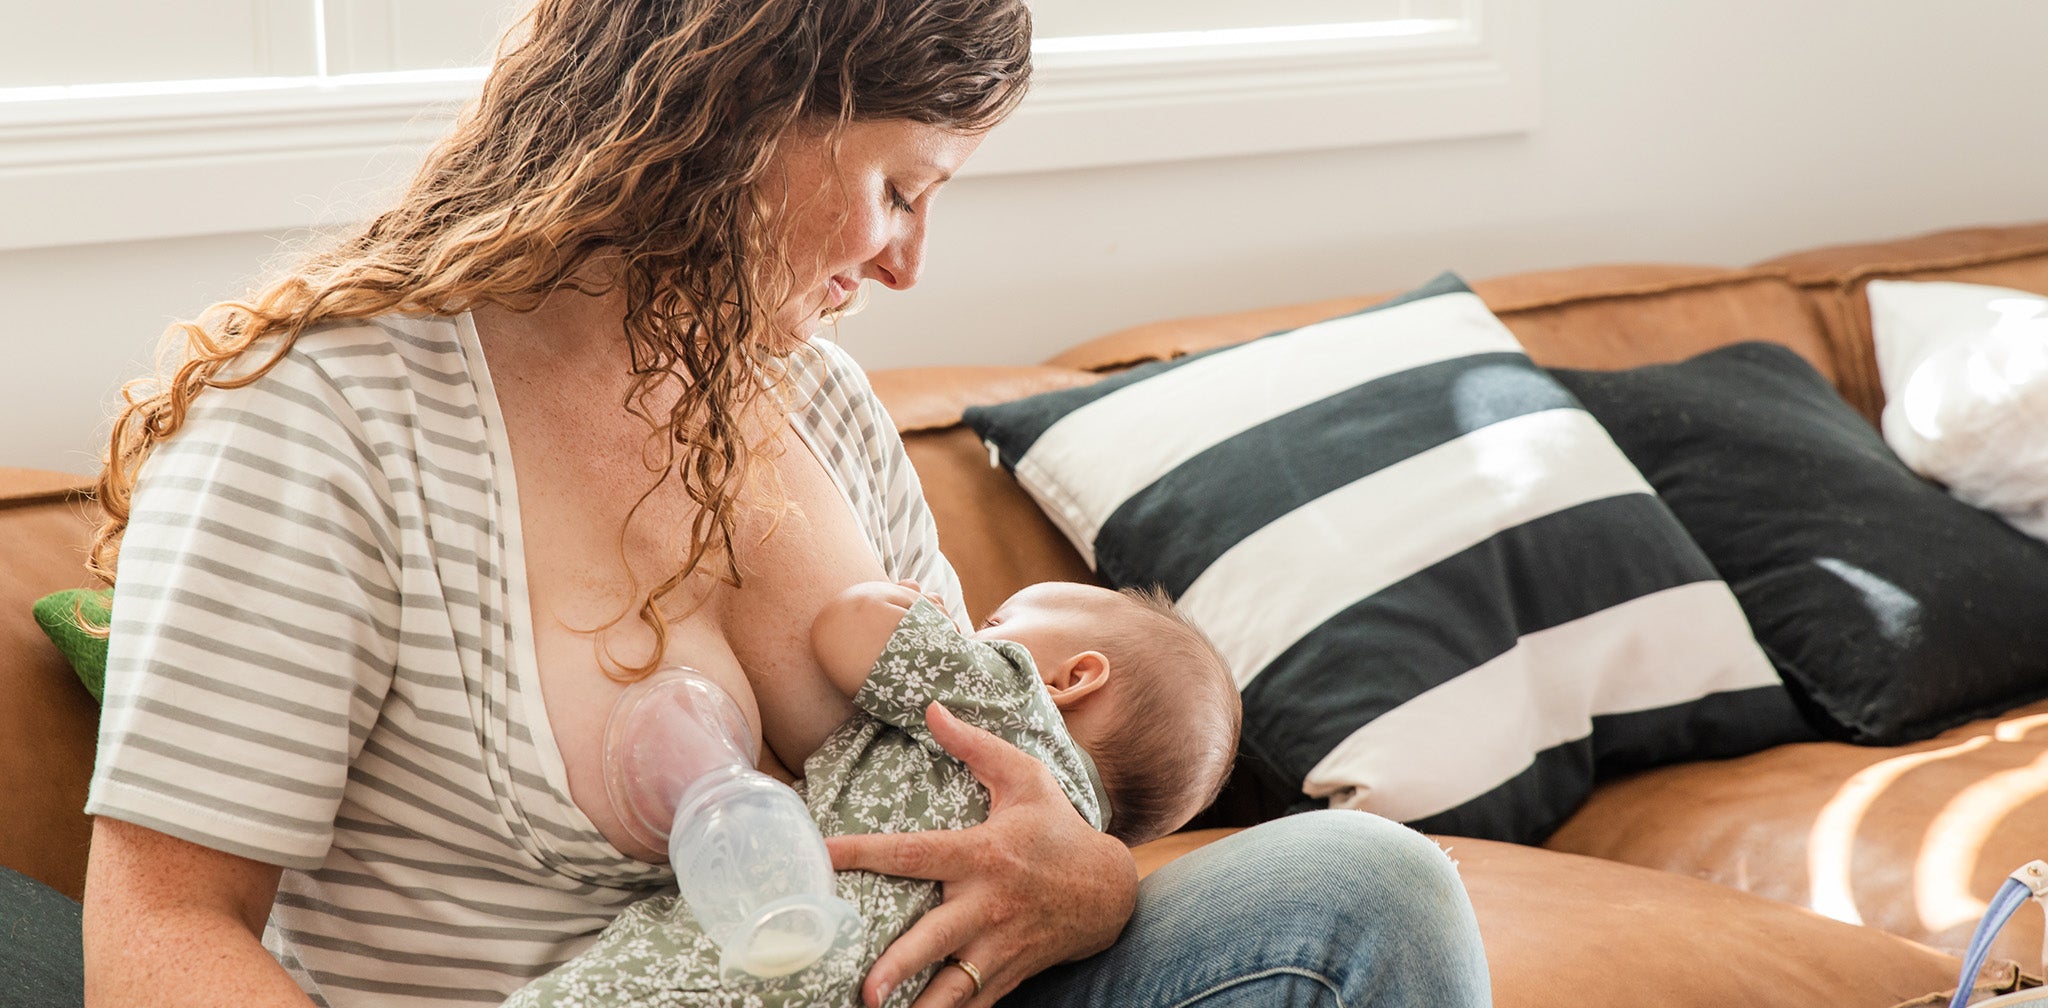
x=1447 y=596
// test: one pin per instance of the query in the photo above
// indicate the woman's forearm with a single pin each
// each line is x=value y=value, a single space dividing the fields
x=171 y=923
x=183 y=959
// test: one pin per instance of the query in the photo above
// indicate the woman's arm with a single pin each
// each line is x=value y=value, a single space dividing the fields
x=1032 y=886
x=169 y=922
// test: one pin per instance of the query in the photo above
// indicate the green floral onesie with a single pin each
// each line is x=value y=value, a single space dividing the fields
x=880 y=772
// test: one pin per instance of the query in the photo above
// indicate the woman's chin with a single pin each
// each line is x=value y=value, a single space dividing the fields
x=788 y=335
x=795 y=326
x=800 y=332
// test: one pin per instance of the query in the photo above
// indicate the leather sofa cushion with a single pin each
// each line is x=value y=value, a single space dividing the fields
x=994 y=535
x=48 y=722
x=1911 y=840
x=1640 y=937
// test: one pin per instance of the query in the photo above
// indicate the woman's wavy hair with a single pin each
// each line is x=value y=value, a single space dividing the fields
x=635 y=130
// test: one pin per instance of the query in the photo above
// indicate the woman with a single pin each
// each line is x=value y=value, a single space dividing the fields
x=358 y=672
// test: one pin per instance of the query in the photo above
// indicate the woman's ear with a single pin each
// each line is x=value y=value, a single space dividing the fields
x=1078 y=677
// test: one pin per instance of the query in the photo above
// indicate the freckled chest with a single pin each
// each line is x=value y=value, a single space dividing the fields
x=581 y=464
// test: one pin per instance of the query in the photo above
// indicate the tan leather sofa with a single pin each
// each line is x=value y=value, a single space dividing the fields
x=1693 y=885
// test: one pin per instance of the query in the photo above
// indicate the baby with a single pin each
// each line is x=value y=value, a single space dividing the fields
x=1123 y=699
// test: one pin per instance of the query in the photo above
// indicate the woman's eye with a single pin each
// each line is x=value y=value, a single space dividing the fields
x=896 y=200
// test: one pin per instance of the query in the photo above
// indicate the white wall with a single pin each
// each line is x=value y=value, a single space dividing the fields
x=1721 y=132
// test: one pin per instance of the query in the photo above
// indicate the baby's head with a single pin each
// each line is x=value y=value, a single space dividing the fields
x=1143 y=691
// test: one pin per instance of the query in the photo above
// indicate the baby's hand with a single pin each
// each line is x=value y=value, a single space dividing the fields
x=852 y=629
x=935 y=598
x=966 y=629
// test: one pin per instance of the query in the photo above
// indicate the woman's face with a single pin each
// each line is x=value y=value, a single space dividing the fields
x=859 y=216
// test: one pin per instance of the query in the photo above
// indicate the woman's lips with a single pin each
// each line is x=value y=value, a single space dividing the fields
x=837 y=290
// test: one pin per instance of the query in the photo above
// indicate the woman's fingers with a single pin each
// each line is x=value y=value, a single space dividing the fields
x=1010 y=774
x=932 y=939
x=938 y=855
x=1032 y=886
x=953 y=987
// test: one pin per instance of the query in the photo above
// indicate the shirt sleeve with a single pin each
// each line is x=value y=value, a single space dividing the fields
x=990 y=684
x=255 y=620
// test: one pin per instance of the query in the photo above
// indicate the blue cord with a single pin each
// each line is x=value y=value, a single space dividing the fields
x=2011 y=896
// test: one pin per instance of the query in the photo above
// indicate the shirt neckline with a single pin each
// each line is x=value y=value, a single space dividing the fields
x=524 y=658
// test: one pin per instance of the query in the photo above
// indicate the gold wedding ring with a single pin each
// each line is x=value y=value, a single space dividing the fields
x=969 y=969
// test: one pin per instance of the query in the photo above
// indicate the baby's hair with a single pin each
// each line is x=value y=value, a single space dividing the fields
x=1178 y=713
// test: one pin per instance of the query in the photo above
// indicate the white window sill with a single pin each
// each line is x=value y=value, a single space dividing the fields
x=83 y=166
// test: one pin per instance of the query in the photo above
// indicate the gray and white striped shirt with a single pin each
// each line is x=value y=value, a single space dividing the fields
x=322 y=658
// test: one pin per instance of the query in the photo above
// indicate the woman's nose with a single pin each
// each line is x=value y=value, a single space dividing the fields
x=900 y=262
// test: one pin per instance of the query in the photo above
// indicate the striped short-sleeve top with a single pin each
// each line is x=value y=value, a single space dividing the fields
x=322 y=658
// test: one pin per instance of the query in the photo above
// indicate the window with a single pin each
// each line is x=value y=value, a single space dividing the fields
x=108 y=41
x=1064 y=19
x=380 y=36
x=1211 y=78
x=139 y=43
x=133 y=119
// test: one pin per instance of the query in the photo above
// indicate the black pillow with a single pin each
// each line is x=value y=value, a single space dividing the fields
x=1892 y=609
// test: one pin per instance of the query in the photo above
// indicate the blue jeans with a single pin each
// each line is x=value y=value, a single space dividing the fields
x=1336 y=909
x=42 y=956
x=1328 y=908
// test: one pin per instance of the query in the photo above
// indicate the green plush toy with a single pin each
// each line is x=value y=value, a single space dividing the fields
x=60 y=615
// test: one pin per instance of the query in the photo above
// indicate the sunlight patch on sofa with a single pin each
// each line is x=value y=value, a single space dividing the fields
x=2017 y=729
x=1958 y=833
x=1831 y=847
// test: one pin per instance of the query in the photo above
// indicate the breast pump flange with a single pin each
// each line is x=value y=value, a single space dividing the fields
x=751 y=866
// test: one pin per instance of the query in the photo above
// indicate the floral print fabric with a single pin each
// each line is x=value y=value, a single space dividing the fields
x=880 y=772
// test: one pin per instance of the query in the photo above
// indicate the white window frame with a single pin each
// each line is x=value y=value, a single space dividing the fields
x=89 y=164
x=1137 y=99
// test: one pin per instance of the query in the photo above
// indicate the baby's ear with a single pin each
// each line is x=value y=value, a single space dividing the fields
x=1078 y=677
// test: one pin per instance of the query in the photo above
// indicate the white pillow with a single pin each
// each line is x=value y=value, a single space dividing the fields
x=1965 y=375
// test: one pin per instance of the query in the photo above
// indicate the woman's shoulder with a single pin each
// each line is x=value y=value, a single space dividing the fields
x=397 y=340
x=368 y=386
x=369 y=358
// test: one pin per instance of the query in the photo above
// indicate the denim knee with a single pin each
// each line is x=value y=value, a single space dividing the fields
x=1344 y=873
x=1329 y=909
x=1393 y=868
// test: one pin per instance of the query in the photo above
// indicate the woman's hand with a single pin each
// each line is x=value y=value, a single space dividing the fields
x=1033 y=886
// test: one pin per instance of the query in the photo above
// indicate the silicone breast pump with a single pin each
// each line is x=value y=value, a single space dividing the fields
x=679 y=765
